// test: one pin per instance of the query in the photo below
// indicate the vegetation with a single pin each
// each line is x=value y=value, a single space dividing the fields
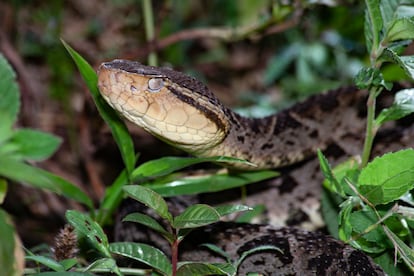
x=374 y=197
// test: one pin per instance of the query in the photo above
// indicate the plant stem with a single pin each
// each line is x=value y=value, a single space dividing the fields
x=149 y=29
x=174 y=256
x=371 y=128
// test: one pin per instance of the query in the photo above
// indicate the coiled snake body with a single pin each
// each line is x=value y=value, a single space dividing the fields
x=183 y=112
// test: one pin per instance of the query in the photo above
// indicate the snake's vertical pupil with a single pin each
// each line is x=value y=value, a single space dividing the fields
x=155 y=84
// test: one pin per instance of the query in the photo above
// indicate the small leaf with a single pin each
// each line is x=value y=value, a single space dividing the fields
x=149 y=222
x=48 y=262
x=36 y=177
x=364 y=219
x=405 y=62
x=84 y=225
x=202 y=269
x=210 y=183
x=108 y=264
x=373 y=24
x=331 y=181
x=117 y=126
x=400 y=29
x=150 y=199
x=405 y=252
x=195 y=216
x=144 y=253
x=8 y=245
x=3 y=190
x=224 y=210
x=392 y=173
x=35 y=145
x=167 y=165
x=257 y=249
x=403 y=105
x=9 y=95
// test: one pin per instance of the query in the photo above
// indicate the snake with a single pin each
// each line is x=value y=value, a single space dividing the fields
x=181 y=111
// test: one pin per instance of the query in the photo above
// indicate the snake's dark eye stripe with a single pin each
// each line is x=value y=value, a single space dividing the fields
x=155 y=84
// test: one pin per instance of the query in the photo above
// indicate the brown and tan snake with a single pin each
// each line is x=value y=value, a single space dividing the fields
x=183 y=112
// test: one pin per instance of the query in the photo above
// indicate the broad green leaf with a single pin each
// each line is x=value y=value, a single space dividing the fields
x=150 y=199
x=144 y=253
x=390 y=190
x=34 y=145
x=149 y=222
x=224 y=210
x=210 y=183
x=48 y=262
x=345 y=227
x=108 y=264
x=84 y=225
x=117 y=126
x=201 y=269
x=167 y=165
x=403 y=105
x=195 y=216
x=9 y=95
x=256 y=211
x=3 y=190
x=7 y=245
x=400 y=29
x=405 y=62
x=36 y=177
x=364 y=219
x=112 y=198
x=373 y=24
x=393 y=173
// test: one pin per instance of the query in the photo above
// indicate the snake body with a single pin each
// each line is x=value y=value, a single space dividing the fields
x=183 y=112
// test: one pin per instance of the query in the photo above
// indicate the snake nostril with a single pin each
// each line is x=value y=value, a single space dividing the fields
x=133 y=89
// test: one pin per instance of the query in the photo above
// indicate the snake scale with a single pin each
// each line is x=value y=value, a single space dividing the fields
x=183 y=112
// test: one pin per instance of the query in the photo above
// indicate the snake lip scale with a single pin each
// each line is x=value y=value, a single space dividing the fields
x=183 y=112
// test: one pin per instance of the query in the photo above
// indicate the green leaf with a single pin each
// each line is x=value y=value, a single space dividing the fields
x=36 y=177
x=107 y=264
x=210 y=183
x=48 y=262
x=9 y=95
x=117 y=126
x=149 y=222
x=201 y=269
x=403 y=105
x=364 y=219
x=34 y=145
x=405 y=62
x=367 y=77
x=256 y=249
x=400 y=29
x=144 y=253
x=64 y=273
x=224 y=210
x=167 y=165
x=150 y=199
x=373 y=24
x=195 y=216
x=330 y=182
x=405 y=252
x=84 y=225
x=392 y=174
x=7 y=245
x=3 y=190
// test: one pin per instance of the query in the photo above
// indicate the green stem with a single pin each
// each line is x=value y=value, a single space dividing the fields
x=371 y=128
x=149 y=29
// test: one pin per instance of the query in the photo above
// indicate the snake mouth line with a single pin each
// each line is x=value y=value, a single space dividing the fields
x=207 y=112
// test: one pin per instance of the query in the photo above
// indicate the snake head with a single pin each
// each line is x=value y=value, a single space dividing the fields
x=170 y=105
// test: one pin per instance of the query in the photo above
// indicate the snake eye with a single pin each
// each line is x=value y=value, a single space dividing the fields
x=155 y=84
